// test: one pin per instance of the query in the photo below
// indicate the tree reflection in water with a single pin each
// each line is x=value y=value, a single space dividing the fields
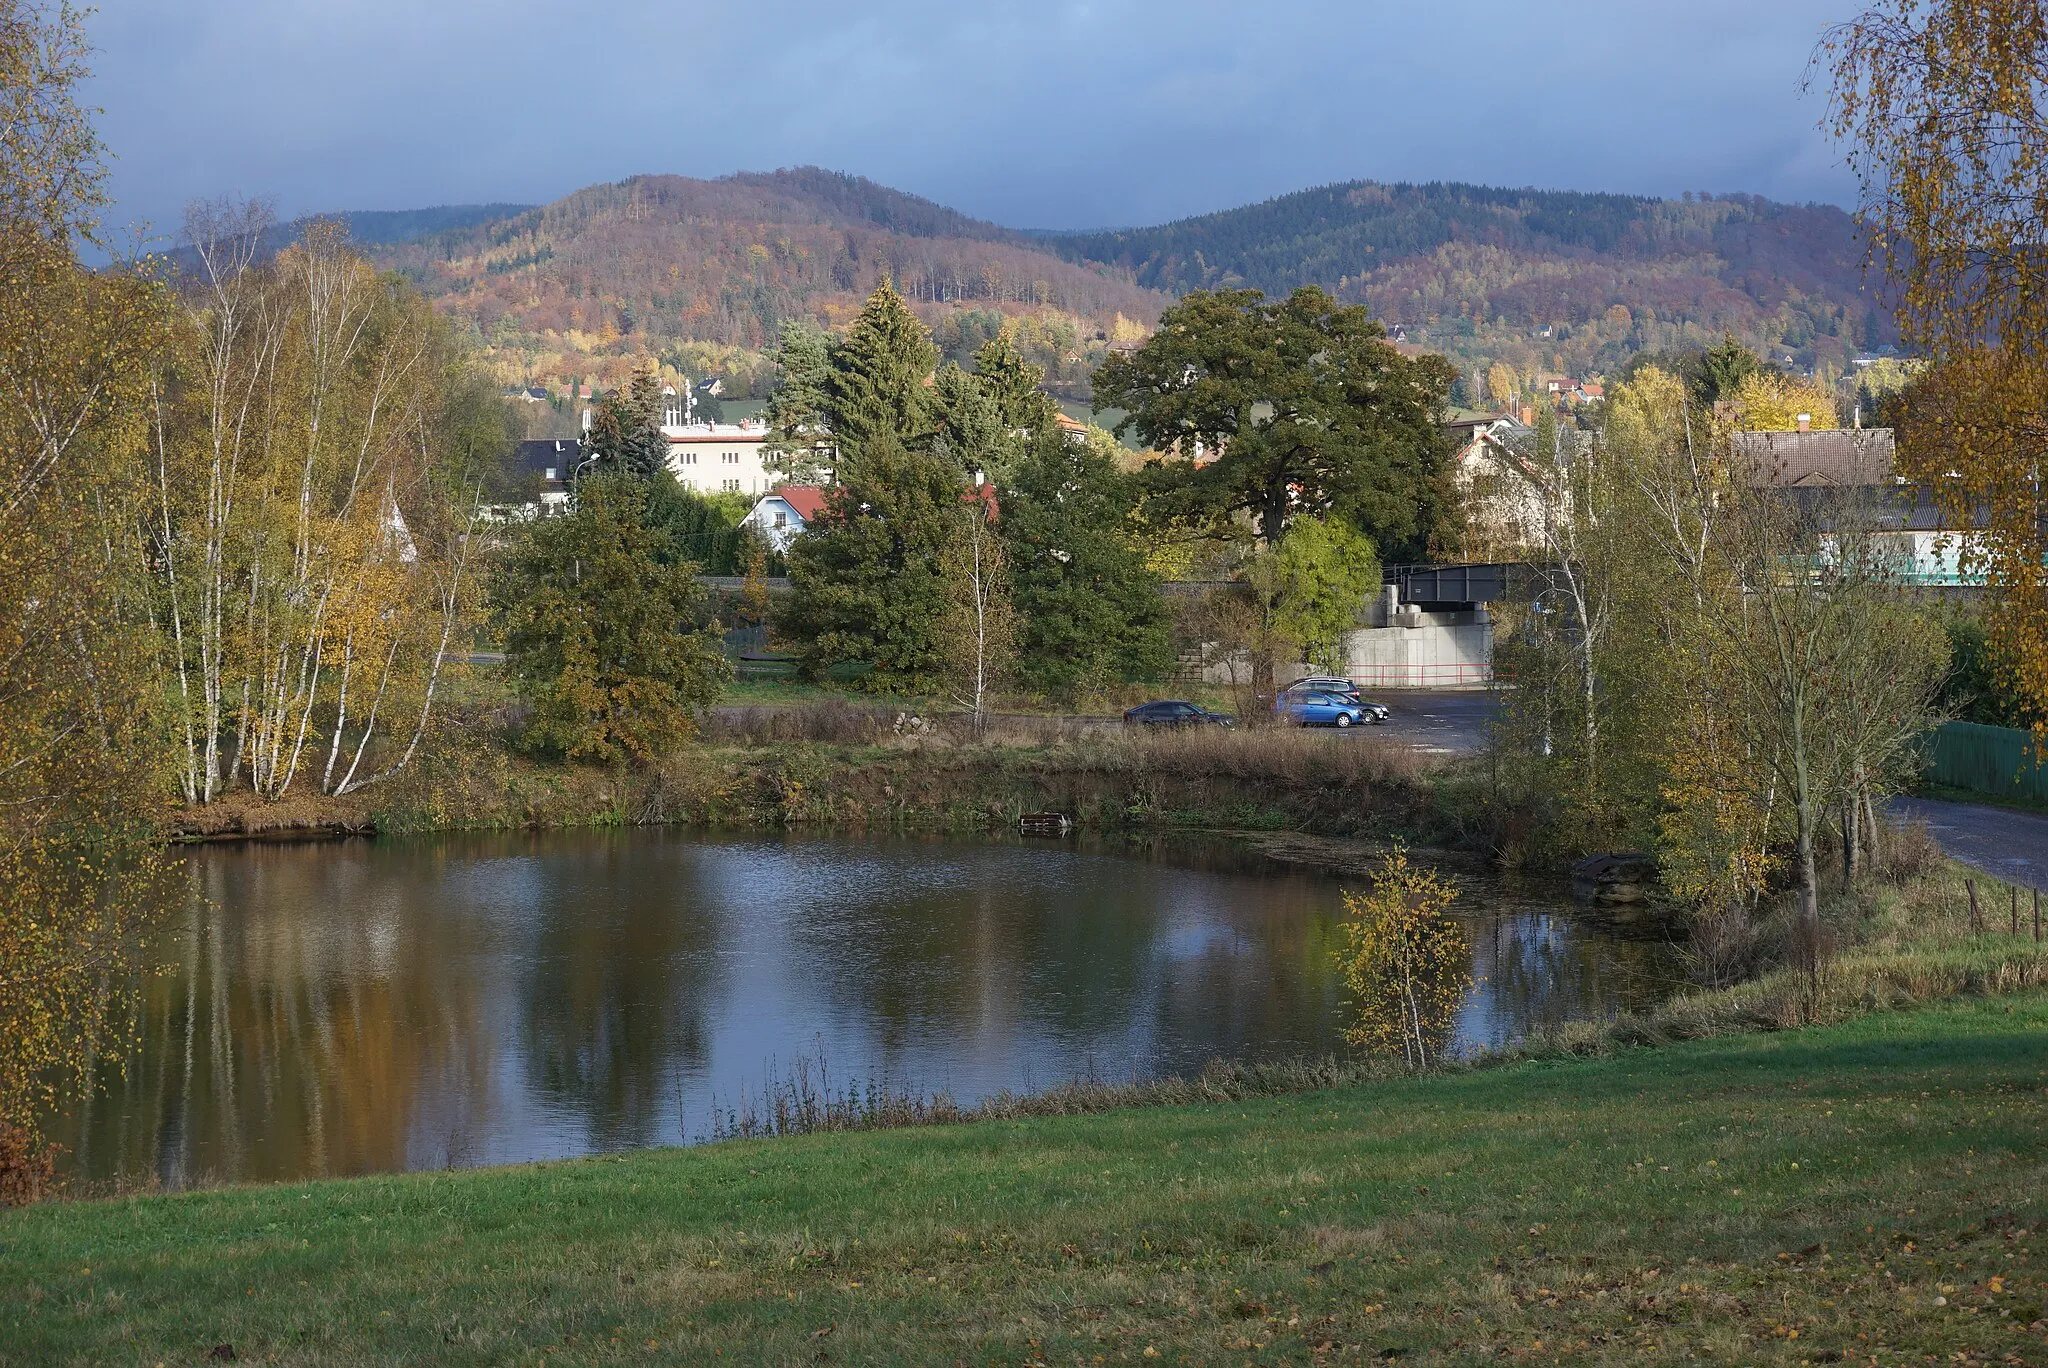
x=401 y=1005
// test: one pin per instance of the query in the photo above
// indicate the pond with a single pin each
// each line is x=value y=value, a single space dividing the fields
x=374 y=1006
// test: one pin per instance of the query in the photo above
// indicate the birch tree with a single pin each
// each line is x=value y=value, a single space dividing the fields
x=309 y=543
x=982 y=626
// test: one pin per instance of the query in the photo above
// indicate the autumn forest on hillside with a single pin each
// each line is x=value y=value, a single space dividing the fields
x=1549 y=285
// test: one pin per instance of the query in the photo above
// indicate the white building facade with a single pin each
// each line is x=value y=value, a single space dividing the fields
x=722 y=458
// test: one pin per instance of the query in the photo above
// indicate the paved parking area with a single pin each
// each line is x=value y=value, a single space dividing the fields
x=1439 y=721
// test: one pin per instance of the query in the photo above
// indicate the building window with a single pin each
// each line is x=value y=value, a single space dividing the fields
x=732 y=458
x=781 y=521
x=689 y=458
x=732 y=486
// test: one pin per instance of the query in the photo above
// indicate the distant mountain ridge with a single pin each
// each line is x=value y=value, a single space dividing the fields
x=1540 y=282
x=1482 y=272
x=1318 y=236
x=372 y=228
x=652 y=262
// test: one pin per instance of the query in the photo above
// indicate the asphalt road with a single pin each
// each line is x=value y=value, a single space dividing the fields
x=2003 y=842
x=1438 y=721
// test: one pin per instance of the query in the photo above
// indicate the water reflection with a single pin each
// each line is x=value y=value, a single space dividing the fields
x=363 y=1007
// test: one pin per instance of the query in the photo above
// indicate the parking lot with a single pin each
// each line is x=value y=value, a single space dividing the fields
x=1441 y=721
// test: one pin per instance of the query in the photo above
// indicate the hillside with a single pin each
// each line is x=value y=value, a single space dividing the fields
x=1481 y=273
x=649 y=263
x=1547 y=283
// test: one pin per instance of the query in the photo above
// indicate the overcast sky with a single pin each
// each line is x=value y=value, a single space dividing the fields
x=1033 y=113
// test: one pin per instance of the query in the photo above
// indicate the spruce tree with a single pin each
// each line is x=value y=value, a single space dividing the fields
x=625 y=434
x=970 y=430
x=876 y=384
x=1089 y=611
x=597 y=609
x=795 y=412
x=868 y=575
x=1012 y=384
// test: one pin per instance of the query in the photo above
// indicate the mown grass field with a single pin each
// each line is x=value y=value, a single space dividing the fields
x=1870 y=1192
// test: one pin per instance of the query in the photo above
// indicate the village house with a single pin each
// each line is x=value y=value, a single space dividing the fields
x=1814 y=467
x=1502 y=493
x=715 y=458
x=781 y=516
x=546 y=466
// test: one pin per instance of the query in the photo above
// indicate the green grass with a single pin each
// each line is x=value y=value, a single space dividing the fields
x=1864 y=1192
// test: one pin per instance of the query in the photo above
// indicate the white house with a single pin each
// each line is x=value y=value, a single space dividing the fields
x=1501 y=491
x=713 y=458
x=783 y=514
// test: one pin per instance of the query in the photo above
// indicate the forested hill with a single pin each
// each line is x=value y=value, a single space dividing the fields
x=1482 y=272
x=372 y=228
x=704 y=273
x=650 y=263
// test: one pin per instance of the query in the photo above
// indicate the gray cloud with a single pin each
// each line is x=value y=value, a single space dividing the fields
x=1066 y=113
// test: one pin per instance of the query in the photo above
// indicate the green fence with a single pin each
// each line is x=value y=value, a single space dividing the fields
x=1997 y=760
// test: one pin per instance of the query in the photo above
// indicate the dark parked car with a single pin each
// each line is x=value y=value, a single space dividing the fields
x=1174 y=713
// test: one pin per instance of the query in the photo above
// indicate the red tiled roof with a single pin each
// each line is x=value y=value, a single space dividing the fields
x=807 y=500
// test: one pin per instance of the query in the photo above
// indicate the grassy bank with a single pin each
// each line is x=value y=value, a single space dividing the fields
x=1863 y=1192
x=850 y=767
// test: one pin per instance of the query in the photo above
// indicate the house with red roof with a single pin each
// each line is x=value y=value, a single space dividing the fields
x=784 y=512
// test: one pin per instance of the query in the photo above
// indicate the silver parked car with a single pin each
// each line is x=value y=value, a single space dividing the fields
x=1336 y=685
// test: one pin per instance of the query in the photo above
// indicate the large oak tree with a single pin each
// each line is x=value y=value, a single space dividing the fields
x=1278 y=409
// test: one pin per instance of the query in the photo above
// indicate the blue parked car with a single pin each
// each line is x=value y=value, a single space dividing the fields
x=1314 y=708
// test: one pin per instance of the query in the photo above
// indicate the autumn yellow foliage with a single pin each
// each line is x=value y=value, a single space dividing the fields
x=1770 y=402
x=1405 y=961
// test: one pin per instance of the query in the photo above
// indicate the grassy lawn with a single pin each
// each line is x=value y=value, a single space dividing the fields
x=1863 y=1193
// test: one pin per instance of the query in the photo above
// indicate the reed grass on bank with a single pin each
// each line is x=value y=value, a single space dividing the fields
x=848 y=765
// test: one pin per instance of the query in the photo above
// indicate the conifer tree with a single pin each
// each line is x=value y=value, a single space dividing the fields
x=876 y=384
x=626 y=433
x=1089 y=611
x=1012 y=384
x=869 y=574
x=596 y=609
x=970 y=431
x=795 y=412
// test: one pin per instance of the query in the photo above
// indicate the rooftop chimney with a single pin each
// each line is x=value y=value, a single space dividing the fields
x=1805 y=422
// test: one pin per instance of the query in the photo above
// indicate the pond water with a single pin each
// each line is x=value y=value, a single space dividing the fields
x=372 y=1006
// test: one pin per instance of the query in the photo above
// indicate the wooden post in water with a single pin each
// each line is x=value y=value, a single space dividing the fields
x=1976 y=915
